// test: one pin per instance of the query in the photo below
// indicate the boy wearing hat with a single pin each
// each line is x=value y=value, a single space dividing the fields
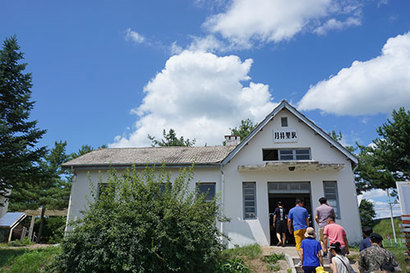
x=311 y=254
x=375 y=256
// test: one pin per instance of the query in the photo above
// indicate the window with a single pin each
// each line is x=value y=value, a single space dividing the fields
x=208 y=189
x=101 y=188
x=285 y=154
x=330 y=190
x=284 y=121
x=270 y=154
x=249 y=200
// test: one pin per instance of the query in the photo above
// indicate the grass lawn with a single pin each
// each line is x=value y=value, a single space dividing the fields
x=26 y=260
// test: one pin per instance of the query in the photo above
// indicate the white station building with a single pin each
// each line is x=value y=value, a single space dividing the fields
x=286 y=157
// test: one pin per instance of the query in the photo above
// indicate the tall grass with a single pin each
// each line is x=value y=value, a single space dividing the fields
x=25 y=260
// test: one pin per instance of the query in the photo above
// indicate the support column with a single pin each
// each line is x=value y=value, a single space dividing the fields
x=30 y=231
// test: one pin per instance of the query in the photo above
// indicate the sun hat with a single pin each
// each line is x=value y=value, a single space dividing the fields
x=310 y=232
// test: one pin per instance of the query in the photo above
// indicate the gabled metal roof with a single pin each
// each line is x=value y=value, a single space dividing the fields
x=10 y=219
x=300 y=116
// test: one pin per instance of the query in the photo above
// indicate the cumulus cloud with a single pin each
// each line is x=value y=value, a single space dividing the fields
x=201 y=96
x=276 y=20
x=131 y=35
x=374 y=86
x=334 y=24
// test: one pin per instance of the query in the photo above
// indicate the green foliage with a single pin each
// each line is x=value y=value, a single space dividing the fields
x=144 y=222
x=272 y=259
x=53 y=229
x=388 y=159
x=28 y=261
x=250 y=251
x=339 y=137
x=8 y=255
x=171 y=139
x=246 y=127
x=25 y=242
x=18 y=135
x=234 y=265
x=367 y=213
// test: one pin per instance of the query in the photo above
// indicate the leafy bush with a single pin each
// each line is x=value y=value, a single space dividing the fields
x=144 y=222
x=272 y=259
x=249 y=251
x=25 y=242
x=234 y=265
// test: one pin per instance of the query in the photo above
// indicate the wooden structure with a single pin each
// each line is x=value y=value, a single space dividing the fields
x=403 y=189
x=34 y=213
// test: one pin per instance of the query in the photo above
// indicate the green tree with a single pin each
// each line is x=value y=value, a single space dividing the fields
x=246 y=127
x=85 y=149
x=171 y=139
x=367 y=213
x=387 y=160
x=18 y=136
x=52 y=191
x=339 y=137
x=145 y=222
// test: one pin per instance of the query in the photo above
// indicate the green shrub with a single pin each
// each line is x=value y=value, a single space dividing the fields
x=249 y=251
x=234 y=265
x=25 y=242
x=144 y=222
x=272 y=259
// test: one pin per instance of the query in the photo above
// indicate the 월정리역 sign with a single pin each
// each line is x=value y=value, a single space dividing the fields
x=288 y=135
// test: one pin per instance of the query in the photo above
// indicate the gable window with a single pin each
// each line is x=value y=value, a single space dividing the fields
x=208 y=189
x=249 y=200
x=330 y=191
x=285 y=154
x=284 y=121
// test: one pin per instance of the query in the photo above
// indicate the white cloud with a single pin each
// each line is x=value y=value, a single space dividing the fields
x=374 y=86
x=201 y=96
x=276 y=20
x=334 y=24
x=134 y=36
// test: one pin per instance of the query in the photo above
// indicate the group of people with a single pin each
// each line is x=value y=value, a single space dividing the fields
x=332 y=241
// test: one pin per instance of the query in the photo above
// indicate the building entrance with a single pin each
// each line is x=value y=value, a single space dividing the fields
x=287 y=192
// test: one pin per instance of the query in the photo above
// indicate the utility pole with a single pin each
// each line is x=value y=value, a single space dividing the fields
x=391 y=217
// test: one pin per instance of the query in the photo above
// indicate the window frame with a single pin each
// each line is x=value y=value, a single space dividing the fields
x=206 y=193
x=100 y=186
x=244 y=206
x=325 y=194
x=293 y=154
x=284 y=122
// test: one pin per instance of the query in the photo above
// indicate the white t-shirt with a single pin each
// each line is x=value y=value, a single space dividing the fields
x=341 y=268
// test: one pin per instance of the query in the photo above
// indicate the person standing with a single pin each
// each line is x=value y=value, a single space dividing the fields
x=311 y=252
x=375 y=257
x=322 y=213
x=299 y=218
x=339 y=264
x=335 y=233
x=365 y=243
x=279 y=223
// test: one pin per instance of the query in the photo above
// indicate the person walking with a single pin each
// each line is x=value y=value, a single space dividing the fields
x=335 y=233
x=365 y=243
x=322 y=213
x=279 y=223
x=339 y=264
x=299 y=218
x=311 y=254
x=375 y=257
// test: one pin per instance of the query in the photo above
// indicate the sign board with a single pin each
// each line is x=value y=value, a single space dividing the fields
x=403 y=189
x=285 y=135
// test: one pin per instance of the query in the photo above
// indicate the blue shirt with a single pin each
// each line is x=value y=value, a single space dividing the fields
x=365 y=243
x=298 y=215
x=310 y=248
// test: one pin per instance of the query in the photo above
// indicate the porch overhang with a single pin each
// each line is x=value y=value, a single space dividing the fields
x=300 y=165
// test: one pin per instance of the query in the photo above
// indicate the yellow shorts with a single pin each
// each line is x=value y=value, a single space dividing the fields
x=299 y=237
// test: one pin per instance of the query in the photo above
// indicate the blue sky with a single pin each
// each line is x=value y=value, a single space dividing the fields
x=111 y=72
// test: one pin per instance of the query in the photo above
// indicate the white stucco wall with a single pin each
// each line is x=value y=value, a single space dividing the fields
x=241 y=231
x=85 y=180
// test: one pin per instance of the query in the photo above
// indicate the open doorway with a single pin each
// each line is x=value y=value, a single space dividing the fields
x=287 y=193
